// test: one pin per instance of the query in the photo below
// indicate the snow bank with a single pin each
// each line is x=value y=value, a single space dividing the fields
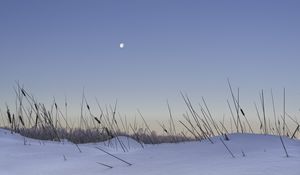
x=123 y=143
x=263 y=155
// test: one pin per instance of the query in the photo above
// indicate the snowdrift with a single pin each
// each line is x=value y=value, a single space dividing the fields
x=254 y=154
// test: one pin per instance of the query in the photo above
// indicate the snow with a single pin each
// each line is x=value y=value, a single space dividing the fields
x=263 y=155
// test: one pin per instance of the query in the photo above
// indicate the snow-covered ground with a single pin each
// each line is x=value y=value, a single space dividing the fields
x=263 y=155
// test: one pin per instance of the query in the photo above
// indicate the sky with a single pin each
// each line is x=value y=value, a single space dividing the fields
x=58 y=48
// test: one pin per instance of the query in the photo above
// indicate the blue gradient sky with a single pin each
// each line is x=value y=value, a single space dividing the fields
x=55 y=48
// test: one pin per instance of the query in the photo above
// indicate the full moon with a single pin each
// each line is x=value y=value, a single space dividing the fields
x=121 y=45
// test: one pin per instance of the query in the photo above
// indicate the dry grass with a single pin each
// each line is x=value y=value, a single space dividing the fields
x=32 y=119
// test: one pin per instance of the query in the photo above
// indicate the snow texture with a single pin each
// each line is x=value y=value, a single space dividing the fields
x=254 y=154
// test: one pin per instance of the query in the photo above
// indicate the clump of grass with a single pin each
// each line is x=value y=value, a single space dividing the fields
x=35 y=120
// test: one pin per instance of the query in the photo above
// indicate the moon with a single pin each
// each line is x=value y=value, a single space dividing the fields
x=122 y=45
